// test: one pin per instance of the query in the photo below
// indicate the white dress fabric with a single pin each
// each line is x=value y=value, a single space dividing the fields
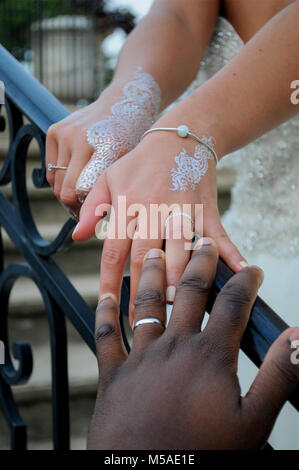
x=263 y=218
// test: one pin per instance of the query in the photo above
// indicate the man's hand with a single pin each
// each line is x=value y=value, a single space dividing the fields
x=178 y=388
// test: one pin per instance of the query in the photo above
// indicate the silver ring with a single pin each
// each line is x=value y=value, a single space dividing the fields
x=144 y=321
x=176 y=214
x=56 y=167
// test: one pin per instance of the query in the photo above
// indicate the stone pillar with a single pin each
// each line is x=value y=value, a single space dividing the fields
x=67 y=57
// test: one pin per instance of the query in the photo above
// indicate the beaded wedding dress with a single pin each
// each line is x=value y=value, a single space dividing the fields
x=263 y=218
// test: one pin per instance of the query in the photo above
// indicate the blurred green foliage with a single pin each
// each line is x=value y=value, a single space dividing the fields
x=16 y=16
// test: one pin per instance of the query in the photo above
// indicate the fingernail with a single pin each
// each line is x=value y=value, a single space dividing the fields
x=75 y=230
x=295 y=335
x=108 y=295
x=170 y=294
x=131 y=315
x=244 y=264
x=154 y=253
x=205 y=241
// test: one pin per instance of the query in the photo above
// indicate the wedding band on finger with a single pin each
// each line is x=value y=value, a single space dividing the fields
x=145 y=321
x=56 y=167
x=178 y=214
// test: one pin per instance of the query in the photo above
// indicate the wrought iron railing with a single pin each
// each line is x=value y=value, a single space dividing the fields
x=25 y=97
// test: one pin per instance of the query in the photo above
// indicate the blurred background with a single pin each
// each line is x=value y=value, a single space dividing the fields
x=70 y=46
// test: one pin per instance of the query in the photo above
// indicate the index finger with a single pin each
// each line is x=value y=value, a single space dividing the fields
x=108 y=338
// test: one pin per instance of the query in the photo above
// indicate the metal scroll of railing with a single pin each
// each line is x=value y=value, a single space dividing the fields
x=26 y=98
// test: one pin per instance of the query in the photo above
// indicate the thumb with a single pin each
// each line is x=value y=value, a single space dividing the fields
x=95 y=207
x=275 y=381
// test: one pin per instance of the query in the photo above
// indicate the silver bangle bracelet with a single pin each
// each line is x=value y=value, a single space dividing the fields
x=183 y=132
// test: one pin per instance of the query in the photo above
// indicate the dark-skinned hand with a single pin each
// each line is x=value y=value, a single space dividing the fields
x=178 y=388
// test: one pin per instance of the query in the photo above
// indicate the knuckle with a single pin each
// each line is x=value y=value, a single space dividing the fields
x=138 y=256
x=111 y=256
x=68 y=196
x=206 y=344
x=171 y=345
x=52 y=131
x=206 y=251
x=174 y=273
x=194 y=282
x=237 y=293
x=220 y=231
x=212 y=350
x=235 y=298
x=150 y=296
x=222 y=236
x=105 y=331
x=168 y=346
x=67 y=135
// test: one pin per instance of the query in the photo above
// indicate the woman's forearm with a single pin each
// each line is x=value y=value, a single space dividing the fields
x=252 y=94
x=169 y=44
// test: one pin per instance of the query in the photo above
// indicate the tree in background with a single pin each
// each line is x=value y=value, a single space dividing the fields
x=16 y=17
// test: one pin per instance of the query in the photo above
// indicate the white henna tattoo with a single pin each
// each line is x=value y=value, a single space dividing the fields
x=190 y=170
x=120 y=132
